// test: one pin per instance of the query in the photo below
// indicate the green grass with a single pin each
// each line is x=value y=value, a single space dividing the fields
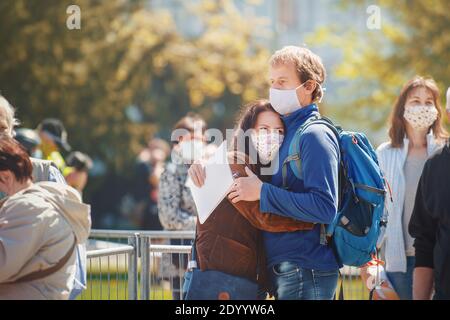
x=102 y=288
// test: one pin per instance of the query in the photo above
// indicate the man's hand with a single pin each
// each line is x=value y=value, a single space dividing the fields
x=197 y=174
x=246 y=188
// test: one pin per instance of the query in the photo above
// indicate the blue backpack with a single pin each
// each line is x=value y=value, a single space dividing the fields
x=356 y=228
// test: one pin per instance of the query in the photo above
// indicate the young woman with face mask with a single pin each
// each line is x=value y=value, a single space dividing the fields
x=416 y=132
x=230 y=240
x=176 y=207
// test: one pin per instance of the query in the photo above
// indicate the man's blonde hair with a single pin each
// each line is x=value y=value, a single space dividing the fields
x=308 y=65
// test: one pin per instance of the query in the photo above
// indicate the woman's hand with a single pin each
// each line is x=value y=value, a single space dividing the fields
x=197 y=173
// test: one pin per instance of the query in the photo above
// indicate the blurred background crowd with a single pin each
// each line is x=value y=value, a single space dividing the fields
x=101 y=101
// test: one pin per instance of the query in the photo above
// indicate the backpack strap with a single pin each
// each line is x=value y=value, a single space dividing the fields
x=47 y=272
x=294 y=152
x=294 y=159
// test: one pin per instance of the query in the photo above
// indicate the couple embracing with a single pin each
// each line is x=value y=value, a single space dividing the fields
x=268 y=229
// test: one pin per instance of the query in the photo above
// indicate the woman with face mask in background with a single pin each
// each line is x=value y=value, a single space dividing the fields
x=416 y=132
x=176 y=207
x=230 y=240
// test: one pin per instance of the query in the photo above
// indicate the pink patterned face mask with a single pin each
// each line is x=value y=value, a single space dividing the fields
x=421 y=117
x=267 y=144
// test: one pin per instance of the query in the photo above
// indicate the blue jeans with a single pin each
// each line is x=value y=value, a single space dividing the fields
x=402 y=281
x=291 y=282
x=262 y=294
x=187 y=281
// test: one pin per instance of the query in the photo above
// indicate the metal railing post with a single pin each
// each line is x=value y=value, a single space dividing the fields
x=133 y=268
x=145 y=268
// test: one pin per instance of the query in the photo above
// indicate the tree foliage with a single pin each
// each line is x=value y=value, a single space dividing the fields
x=128 y=74
x=376 y=63
x=126 y=54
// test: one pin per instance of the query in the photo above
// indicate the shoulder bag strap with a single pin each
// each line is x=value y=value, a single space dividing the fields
x=47 y=272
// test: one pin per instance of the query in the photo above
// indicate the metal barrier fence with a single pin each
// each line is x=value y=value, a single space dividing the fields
x=163 y=268
x=150 y=265
x=112 y=272
x=115 y=268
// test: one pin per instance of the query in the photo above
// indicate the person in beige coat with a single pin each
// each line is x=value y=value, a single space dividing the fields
x=40 y=225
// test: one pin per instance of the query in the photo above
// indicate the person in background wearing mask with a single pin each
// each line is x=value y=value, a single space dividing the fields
x=176 y=207
x=415 y=132
x=300 y=264
x=429 y=225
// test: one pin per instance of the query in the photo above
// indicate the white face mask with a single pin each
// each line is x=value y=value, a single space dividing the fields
x=191 y=150
x=286 y=101
x=267 y=144
x=421 y=117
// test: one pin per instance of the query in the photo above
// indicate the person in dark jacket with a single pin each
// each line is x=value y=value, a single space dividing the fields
x=230 y=240
x=430 y=226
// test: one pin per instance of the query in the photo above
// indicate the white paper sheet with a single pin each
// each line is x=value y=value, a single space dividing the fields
x=218 y=182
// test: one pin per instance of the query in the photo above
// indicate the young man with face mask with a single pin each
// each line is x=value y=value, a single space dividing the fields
x=300 y=266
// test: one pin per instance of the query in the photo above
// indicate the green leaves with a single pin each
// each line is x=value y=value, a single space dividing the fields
x=376 y=64
x=126 y=53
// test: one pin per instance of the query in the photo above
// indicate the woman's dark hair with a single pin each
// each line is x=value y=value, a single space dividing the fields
x=14 y=158
x=247 y=121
